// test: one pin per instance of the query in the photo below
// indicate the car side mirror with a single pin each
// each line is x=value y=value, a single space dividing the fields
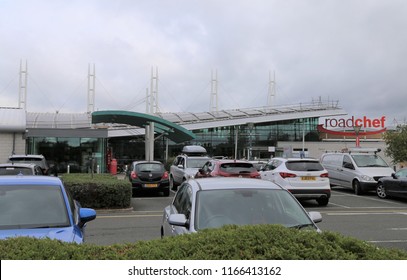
x=86 y=215
x=180 y=166
x=178 y=220
x=394 y=175
x=316 y=217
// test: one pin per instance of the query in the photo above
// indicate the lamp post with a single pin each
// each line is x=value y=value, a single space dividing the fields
x=250 y=126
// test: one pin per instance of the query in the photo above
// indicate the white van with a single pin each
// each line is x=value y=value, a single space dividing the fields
x=357 y=169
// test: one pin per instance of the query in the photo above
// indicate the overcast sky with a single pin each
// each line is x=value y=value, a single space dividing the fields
x=349 y=51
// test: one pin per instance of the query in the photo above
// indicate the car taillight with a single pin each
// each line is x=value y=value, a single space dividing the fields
x=287 y=175
x=165 y=175
x=133 y=175
x=324 y=175
x=256 y=175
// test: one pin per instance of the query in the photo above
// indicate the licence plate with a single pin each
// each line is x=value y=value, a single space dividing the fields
x=151 y=185
x=308 y=178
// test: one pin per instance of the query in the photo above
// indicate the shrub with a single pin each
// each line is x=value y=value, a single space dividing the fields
x=99 y=190
x=259 y=242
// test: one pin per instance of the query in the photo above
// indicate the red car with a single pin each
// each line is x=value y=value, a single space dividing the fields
x=228 y=168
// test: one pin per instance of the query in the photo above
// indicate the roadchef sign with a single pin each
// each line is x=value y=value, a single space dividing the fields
x=354 y=124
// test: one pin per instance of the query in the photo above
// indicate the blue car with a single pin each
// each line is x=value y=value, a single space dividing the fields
x=40 y=207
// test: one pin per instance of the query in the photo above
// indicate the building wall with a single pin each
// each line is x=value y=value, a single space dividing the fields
x=8 y=141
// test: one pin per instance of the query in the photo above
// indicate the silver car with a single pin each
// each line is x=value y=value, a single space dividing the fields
x=214 y=202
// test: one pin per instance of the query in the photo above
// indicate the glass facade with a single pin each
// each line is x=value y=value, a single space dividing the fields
x=71 y=154
x=249 y=141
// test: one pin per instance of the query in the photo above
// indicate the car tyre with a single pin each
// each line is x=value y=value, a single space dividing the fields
x=166 y=192
x=172 y=184
x=381 y=191
x=323 y=201
x=357 y=187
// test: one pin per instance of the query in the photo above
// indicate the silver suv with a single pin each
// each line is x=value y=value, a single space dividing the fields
x=37 y=159
x=187 y=164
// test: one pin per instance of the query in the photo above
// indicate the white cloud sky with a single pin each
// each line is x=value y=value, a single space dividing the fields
x=345 y=50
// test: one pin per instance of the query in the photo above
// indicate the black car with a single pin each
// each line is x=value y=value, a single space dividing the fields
x=149 y=176
x=393 y=186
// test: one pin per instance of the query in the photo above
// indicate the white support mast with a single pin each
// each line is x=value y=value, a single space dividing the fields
x=214 y=92
x=22 y=97
x=151 y=108
x=271 y=90
x=91 y=88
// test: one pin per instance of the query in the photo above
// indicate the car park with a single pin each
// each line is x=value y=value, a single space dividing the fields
x=187 y=164
x=357 y=169
x=394 y=185
x=305 y=178
x=20 y=169
x=149 y=176
x=228 y=168
x=37 y=159
x=41 y=207
x=214 y=202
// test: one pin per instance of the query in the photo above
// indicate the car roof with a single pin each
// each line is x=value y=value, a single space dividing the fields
x=296 y=159
x=231 y=161
x=27 y=156
x=223 y=183
x=18 y=164
x=147 y=161
x=29 y=180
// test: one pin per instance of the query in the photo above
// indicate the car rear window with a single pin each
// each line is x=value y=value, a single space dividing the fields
x=15 y=171
x=149 y=167
x=237 y=167
x=304 y=166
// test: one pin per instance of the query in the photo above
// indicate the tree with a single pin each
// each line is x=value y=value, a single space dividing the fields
x=396 y=141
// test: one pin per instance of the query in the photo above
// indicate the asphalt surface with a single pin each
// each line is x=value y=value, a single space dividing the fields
x=382 y=222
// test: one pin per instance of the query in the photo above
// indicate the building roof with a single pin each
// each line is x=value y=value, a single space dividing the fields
x=133 y=123
x=12 y=119
x=171 y=130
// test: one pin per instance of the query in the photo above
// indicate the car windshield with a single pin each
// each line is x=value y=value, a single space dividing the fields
x=369 y=160
x=23 y=207
x=15 y=171
x=237 y=167
x=196 y=162
x=304 y=165
x=149 y=167
x=215 y=208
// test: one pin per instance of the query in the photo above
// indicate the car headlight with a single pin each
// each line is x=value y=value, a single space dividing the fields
x=367 y=178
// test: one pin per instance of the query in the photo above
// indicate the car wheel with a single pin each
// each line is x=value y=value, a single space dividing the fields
x=166 y=192
x=357 y=188
x=381 y=191
x=323 y=201
x=172 y=184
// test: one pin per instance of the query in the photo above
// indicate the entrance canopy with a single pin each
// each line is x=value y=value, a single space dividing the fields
x=172 y=131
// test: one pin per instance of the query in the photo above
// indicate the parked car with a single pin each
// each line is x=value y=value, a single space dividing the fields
x=228 y=168
x=149 y=176
x=393 y=186
x=40 y=207
x=37 y=159
x=187 y=164
x=305 y=178
x=20 y=169
x=359 y=169
x=214 y=202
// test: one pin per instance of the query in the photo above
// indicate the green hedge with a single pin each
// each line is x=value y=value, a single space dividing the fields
x=260 y=242
x=98 y=191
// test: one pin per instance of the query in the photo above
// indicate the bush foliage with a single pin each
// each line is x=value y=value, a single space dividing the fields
x=98 y=190
x=259 y=242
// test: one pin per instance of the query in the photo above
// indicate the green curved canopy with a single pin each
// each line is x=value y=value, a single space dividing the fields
x=171 y=130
